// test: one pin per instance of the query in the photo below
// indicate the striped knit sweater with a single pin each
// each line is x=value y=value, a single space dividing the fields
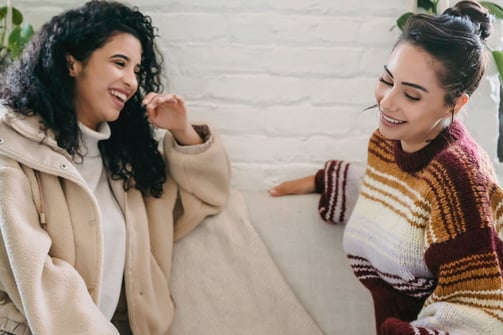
x=425 y=234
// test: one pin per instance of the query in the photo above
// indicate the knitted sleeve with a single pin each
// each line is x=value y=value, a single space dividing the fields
x=464 y=251
x=339 y=184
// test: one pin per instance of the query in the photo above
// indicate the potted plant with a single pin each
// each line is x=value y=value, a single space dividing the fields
x=14 y=34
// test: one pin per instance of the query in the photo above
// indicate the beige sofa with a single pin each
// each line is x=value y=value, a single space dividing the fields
x=267 y=266
x=309 y=253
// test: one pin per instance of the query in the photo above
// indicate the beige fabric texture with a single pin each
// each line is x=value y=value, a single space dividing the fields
x=45 y=266
x=224 y=282
x=310 y=255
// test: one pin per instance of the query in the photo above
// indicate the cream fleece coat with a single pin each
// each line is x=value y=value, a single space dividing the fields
x=51 y=253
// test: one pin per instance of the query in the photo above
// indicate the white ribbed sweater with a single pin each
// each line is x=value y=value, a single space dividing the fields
x=112 y=219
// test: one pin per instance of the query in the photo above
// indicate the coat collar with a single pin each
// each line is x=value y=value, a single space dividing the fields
x=28 y=126
x=23 y=139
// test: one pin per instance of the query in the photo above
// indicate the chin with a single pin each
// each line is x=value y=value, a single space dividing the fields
x=113 y=117
x=385 y=131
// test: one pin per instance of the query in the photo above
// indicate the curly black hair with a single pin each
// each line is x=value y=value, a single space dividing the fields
x=40 y=84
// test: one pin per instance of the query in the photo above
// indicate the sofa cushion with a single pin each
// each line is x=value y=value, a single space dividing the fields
x=310 y=256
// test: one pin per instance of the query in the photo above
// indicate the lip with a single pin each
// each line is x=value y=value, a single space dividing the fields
x=390 y=122
x=118 y=101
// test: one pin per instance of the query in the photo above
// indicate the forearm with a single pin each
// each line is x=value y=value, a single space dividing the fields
x=188 y=136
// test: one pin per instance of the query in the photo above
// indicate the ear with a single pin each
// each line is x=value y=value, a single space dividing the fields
x=73 y=65
x=460 y=102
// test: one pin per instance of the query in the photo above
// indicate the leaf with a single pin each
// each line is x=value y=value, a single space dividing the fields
x=498 y=59
x=15 y=41
x=18 y=38
x=493 y=8
x=3 y=12
x=427 y=5
x=26 y=33
x=400 y=22
x=17 y=16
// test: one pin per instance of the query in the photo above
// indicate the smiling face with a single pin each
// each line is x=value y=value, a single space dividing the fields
x=411 y=99
x=106 y=80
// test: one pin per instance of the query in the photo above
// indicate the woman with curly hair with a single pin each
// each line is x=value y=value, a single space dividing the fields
x=424 y=218
x=100 y=171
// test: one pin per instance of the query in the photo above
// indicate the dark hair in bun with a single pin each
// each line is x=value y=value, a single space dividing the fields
x=474 y=12
x=455 y=39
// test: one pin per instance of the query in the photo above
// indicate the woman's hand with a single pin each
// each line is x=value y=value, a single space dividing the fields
x=296 y=186
x=167 y=111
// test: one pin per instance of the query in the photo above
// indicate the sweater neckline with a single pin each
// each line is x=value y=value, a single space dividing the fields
x=90 y=138
x=416 y=161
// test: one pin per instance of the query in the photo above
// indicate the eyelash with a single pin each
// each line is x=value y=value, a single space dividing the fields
x=391 y=84
x=122 y=64
x=385 y=82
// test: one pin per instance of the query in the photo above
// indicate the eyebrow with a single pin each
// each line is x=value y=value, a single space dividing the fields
x=120 y=56
x=406 y=82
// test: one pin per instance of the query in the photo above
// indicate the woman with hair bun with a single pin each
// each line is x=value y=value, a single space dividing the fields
x=424 y=217
x=100 y=171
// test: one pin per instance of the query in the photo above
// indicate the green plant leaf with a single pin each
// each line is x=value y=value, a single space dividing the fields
x=18 y=38
x=498 y=59
x=3 y=12
x=17 y=16
x=26 y=33
x=427 y=5
x=400 y=22
x=493 y=8
x=14 y=41
x=18 y=35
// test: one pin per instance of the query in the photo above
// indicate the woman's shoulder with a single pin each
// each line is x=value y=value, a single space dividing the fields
x=464 y=162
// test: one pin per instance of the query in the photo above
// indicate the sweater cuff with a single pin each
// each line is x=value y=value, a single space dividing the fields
x=319 y=181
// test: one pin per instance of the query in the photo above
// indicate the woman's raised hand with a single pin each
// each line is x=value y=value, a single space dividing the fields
x=168 y=111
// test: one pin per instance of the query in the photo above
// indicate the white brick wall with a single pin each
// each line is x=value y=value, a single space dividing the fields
x=284 y=81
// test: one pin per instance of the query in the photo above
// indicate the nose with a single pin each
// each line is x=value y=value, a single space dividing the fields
x=387 y=99
x=131 y=79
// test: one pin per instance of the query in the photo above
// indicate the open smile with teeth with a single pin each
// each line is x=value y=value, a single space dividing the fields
x=390 y=120
x=119 y=95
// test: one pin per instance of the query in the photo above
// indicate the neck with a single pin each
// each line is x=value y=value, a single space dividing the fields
x=430 y=137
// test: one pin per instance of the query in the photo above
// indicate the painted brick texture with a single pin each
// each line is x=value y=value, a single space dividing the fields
x=285 y=82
